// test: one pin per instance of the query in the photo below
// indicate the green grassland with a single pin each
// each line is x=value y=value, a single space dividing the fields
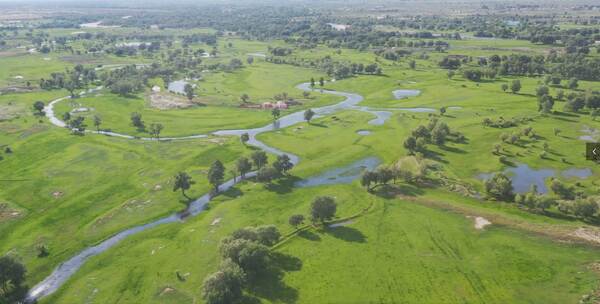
x=68 y=192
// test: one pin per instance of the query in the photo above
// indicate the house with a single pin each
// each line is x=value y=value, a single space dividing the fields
x=281 y=105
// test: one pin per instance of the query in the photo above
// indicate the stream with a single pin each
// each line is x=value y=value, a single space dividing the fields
x=66 y=269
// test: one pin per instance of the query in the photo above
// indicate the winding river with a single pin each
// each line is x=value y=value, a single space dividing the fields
x=66 y=269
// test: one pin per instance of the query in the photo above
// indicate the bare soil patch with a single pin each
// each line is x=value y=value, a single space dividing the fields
x=8 y=213
x=165 y=101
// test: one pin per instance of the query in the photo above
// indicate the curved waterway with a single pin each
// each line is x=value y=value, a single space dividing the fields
x=66 y=269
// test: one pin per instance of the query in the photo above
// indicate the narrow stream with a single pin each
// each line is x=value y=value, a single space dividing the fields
x=66 y=269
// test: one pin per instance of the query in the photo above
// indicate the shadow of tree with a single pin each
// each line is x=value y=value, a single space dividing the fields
x=283 y=185
x=391 y=191
x=269 y=283
x=347 y=234
x=309 y=235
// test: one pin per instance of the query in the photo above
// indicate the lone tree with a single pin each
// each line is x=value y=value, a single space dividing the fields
x=12 y=277
x=312 y=82
x=183 y=182
x=189 y=91
x=245 y=138
x=216 y=174
x=67 y=116
x=77 y=126
x=283 y=164
x=226 y=285
x=499 y=187
x=38 y=107
x=136 y=121
x=308 y=115
x=504 y=87
x=323 y=208
x=244 y=98
x=243 y=166
x=321 y=81
x=515 y=86
x=155 y=129
x=276 y=113
x=442 y=111
x=97 y=122
x=296 y=220
x=259 y=158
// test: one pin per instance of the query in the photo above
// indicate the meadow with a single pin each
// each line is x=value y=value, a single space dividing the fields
x=409 y=244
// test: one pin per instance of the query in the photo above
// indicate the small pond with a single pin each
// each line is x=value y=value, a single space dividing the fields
x=363 y=132
x=523 y=177
x=343 y=175
x=177 y=86
x=400 y=94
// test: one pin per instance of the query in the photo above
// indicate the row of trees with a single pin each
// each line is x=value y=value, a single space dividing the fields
x=244 y=165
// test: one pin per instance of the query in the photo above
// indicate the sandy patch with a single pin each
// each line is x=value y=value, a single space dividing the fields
x=7 y=213
x=57 y=194
x=166 y=102
x=167 y=290
x=480 y=222
x=588 y=234
x=215 y=221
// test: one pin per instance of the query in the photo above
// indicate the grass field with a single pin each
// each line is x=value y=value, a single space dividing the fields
x=414 y=245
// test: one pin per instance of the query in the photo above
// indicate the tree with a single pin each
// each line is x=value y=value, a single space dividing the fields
x=12 y=277
x=312 y=82
x=321 y=81
x=243 y=166
x=283 y=164
x=368 y=178
x=504 y=87
x=296 y=220
x=276 y=113
x=67 y=116
x=224 y=286
x=515 y=86
x=542 y=91
x=189 y=91
x=136 y=121
x=323 y=208
x=442 y=111
x=563 y=191
x=216 y=174
x=183 y=182
x=499 y=187
x=438 y=135
x=573 y=83
x=77 y=126
x=244 y=98
x=308 y=115
x=250 y=255
x=38 y=106
x=259 y=158
x=585 y=208
x=97 y=122
x=267 y=235
x=594 y=113
x=412 y=64
x=250 y=60
x=155 y=129
x=410 y=144
x=245 y=138
x=266 y=174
